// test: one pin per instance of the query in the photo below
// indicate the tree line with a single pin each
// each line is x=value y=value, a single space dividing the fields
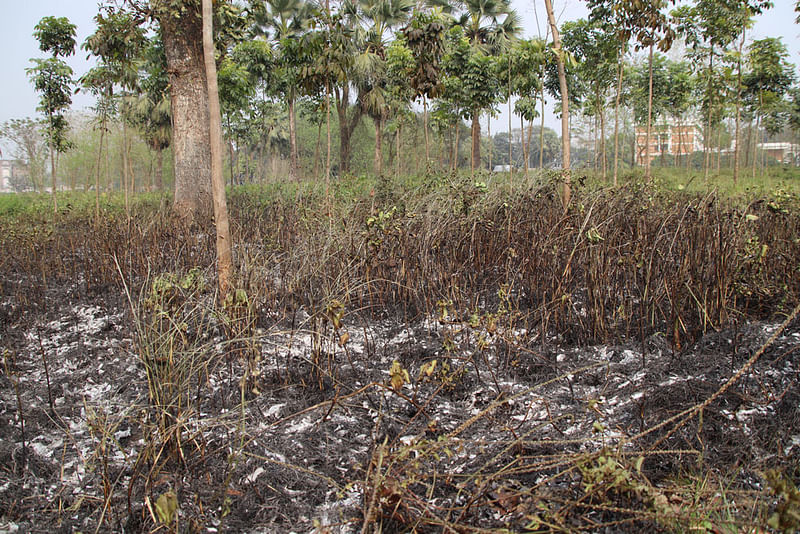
x=401 y=65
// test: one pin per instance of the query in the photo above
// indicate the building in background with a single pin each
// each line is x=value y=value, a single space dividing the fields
x=667 y=139
x=12 y=175
x=786 y=153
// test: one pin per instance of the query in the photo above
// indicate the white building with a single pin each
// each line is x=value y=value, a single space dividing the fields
x=9 y=169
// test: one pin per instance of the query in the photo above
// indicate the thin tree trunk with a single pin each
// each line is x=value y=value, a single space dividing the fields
x=681 y=143
x=224 y=248
x=159 y=168
x=150 y=170
x=562 y=82
x=738 y=111
x=53 y=176
x=130 y=166
x=316 y=150
x=425 y=128
x=97 y=171
x=596 y=141
x=528 y=145
x=397 y=149
x=378 y=159
x=476 y=140
x=689 y=154
x=756 y=136
x=522 y=141
x=749 y=145
x=293 y=159
x=649 y=115
x=124 y=162
x=603 y=161
x=489 y=134
x=541 y=133
x=230 y=162
x=455 y=146
x=616 y=122
x=510 y=114
x=109 y=182
x=328 y=129
x=707 y=158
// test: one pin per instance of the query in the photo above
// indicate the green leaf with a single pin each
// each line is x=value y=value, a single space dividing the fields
x=167 y=507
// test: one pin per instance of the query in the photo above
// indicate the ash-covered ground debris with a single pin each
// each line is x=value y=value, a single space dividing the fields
x=430 y=425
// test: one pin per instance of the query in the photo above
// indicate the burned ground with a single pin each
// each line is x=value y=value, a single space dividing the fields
x=462 y=404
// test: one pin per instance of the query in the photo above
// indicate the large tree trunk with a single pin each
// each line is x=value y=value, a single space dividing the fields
x=562 y=83
x=191 y=152
x=476 y=140
x=347 y=125
x=224 y=248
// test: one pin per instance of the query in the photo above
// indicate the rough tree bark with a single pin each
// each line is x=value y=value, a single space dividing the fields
x=347 y=126
x=476 y=140
x=191 y=153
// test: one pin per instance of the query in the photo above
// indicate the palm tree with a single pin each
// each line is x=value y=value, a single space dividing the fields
x=380 y=17
x=489 y=25
x=288 y=19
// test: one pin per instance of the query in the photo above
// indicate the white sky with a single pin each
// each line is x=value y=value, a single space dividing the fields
x=18 y=17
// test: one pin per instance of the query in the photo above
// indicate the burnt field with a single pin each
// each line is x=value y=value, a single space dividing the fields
x=459 y=357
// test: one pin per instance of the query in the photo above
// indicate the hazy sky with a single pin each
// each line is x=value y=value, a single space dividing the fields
x=18 y=100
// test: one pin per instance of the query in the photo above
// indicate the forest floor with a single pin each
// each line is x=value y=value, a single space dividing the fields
x=502 y=431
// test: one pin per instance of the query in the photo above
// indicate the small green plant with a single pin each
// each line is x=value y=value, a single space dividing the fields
x=237 y=315
x=173 y=341
x=786 y=517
